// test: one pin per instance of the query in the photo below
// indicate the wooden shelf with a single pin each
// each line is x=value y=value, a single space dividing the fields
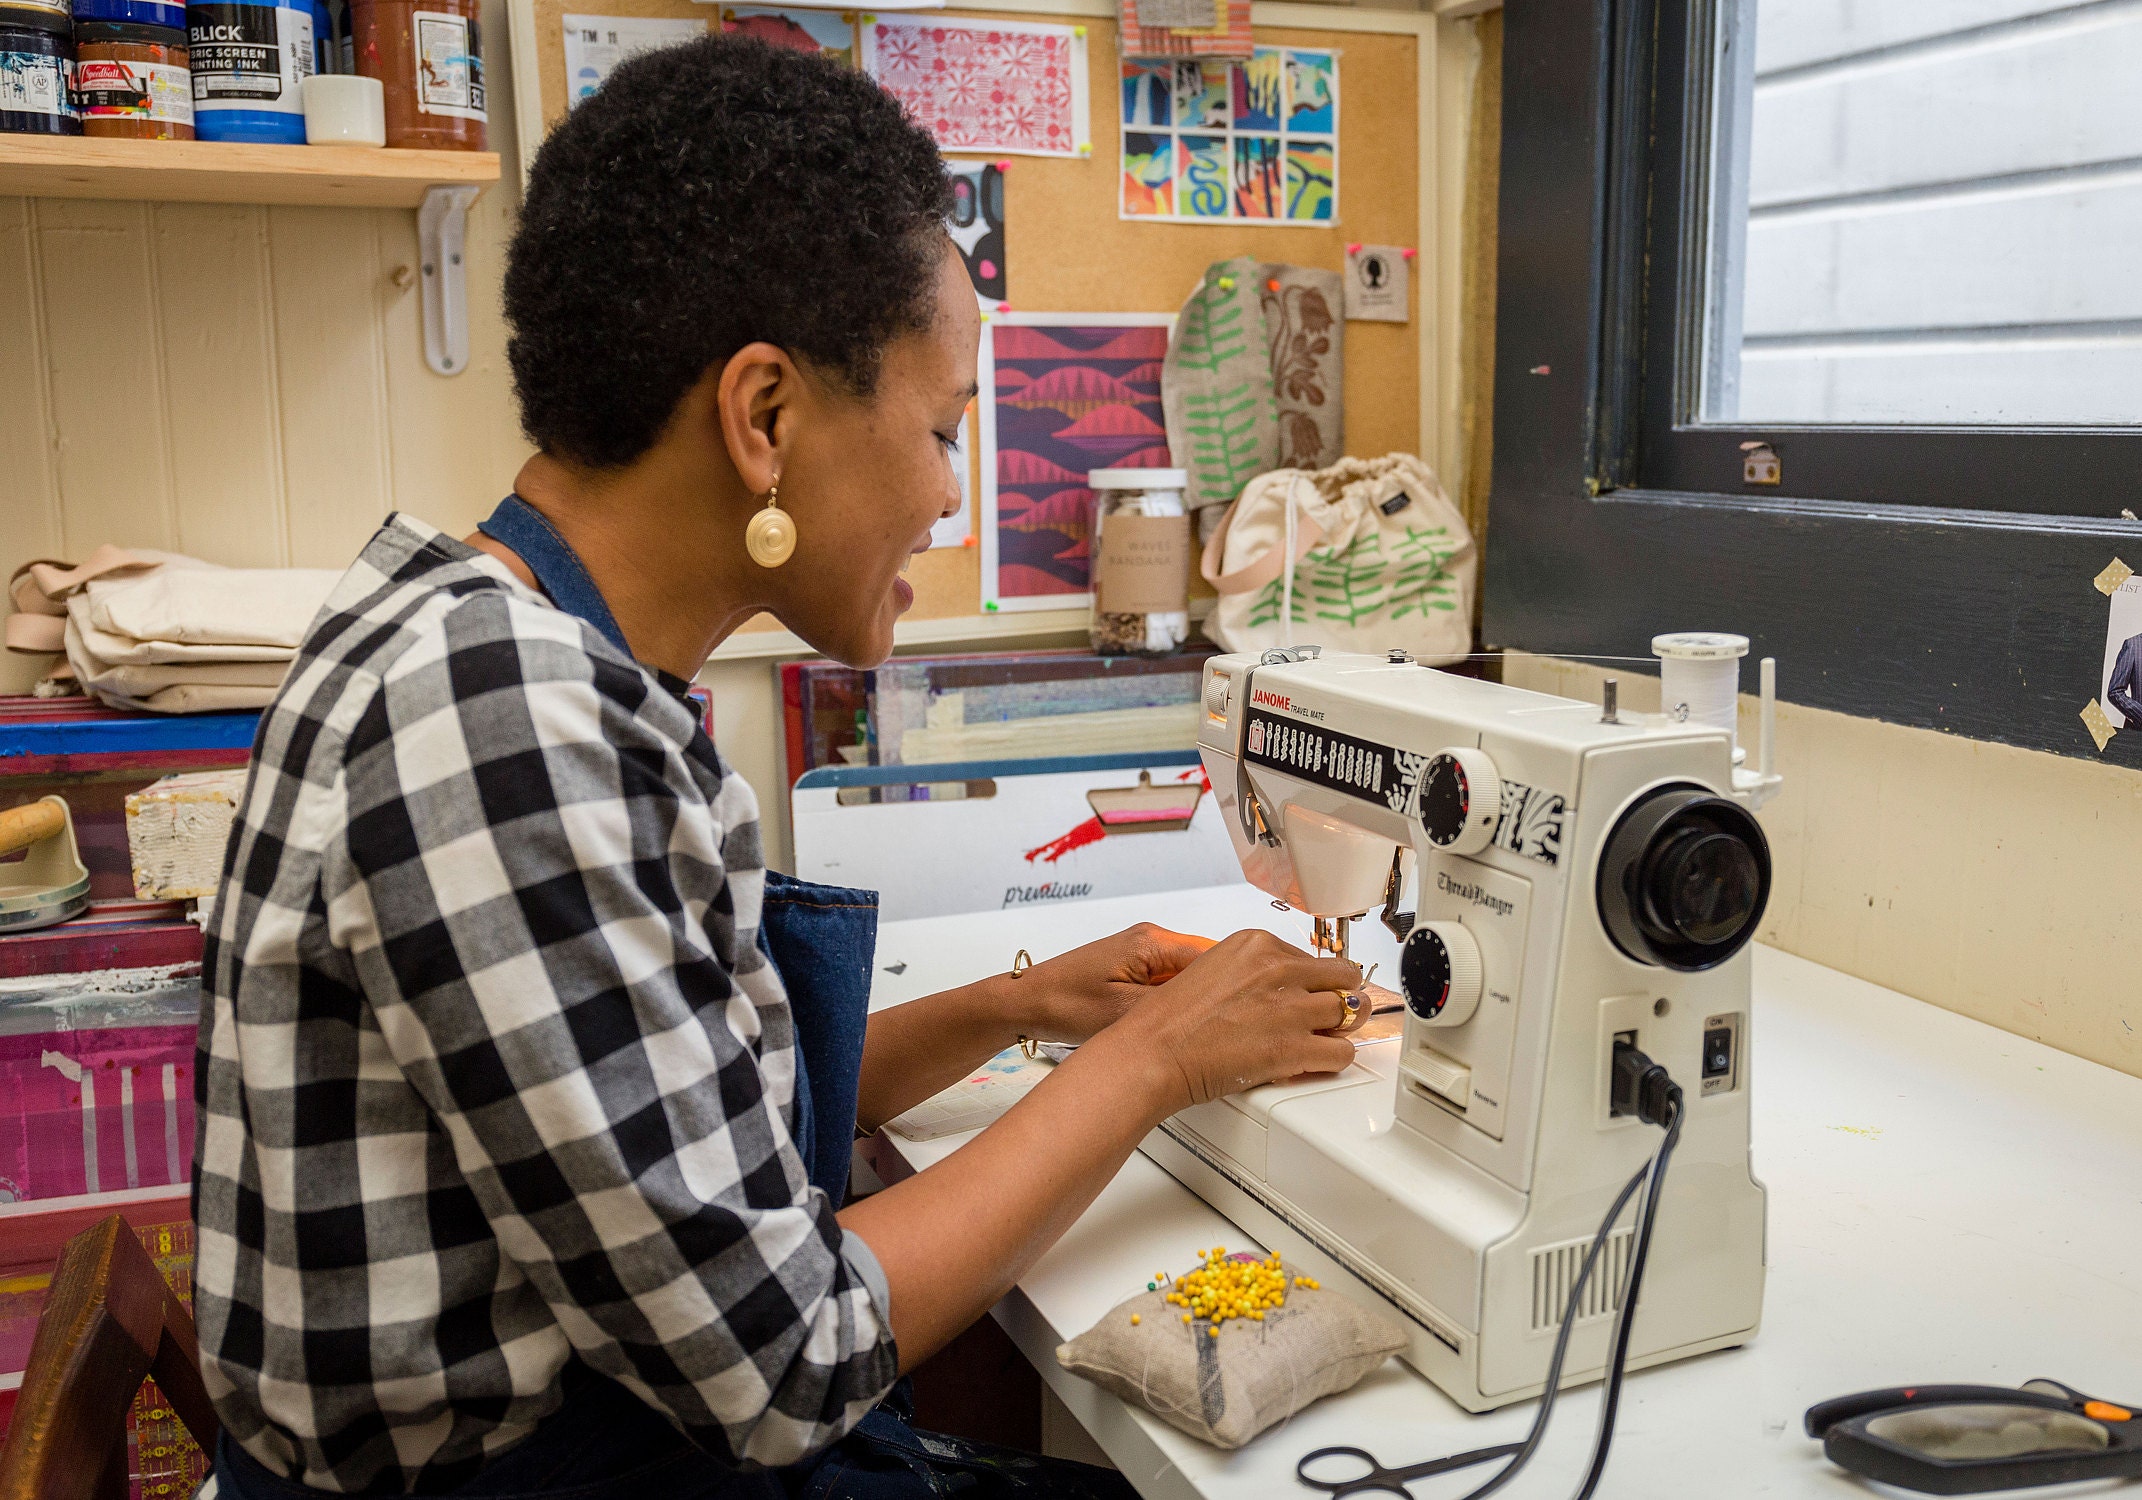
x=224 y=172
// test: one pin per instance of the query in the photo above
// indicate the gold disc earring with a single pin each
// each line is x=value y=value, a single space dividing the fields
x=771 y=536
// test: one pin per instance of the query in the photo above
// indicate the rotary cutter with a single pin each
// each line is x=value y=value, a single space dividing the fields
x=48 y=884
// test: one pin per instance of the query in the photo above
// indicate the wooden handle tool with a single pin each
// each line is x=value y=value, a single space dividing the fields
x=23 y=826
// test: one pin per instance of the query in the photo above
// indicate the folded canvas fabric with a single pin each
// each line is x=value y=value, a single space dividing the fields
x=137 y=684
x=223 y=610
x=166 y=632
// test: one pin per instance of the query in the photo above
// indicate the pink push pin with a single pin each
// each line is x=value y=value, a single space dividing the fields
x=1408 y=253
x=1354 y=249
x=1004 y=166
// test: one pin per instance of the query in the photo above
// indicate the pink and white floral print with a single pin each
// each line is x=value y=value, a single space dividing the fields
x=985 y=85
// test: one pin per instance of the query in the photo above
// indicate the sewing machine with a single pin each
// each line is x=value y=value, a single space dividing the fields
x=1579 y=875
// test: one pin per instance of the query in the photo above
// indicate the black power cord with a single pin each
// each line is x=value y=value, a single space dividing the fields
x=1642 y=1088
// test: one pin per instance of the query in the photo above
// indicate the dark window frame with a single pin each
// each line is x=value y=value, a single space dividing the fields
x=1936 y=577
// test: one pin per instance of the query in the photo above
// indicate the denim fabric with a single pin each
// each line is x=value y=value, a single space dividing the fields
x=556 y=566
x=823 y=939
x=606 y=1444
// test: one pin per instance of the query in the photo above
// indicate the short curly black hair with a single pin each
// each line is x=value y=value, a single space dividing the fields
x=711 y=195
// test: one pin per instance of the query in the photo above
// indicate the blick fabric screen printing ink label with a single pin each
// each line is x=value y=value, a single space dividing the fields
x=254 y=57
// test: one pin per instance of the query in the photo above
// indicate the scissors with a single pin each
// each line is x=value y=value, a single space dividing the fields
x=1363 y=1475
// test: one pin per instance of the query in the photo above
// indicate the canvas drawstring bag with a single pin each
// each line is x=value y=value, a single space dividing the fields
x=1367 y=555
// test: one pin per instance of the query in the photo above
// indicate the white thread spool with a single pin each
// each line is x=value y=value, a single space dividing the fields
x=1699 y=677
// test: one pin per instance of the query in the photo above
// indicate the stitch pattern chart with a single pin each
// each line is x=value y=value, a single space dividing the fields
x=1254 y=141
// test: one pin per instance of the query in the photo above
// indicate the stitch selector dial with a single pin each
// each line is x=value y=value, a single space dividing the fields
x=1440 y=972
x=1461 y=797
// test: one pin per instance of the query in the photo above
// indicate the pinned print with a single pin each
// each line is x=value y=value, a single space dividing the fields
x=1149 y=29
x=1378 y=283
x=827 y=31
x=1250 y=142
x=977 y=227
x=997 y=86
x=595 y=45
x=1063 y=394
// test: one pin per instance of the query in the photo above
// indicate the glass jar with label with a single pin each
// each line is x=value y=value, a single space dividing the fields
x=1141 y=561
x=37 y=72
x=428 y=57
x=131 y=80
x=250 y=60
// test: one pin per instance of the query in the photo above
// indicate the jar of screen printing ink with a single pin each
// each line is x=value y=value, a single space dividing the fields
x=37 y=71
x=428 y=58
x=131 y=81
x=250 y=60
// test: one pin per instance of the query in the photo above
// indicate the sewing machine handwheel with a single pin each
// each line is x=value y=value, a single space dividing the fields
x=1683 y=879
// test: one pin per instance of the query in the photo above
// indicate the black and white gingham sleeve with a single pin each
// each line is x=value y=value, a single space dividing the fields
x=535 y=888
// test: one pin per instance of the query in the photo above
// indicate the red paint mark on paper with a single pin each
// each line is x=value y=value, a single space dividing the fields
x=1088 y=832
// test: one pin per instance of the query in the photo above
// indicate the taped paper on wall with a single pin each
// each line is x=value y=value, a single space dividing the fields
x=1000 y=86
x=2116 y=573
x=2120 y=692
x=595 y=45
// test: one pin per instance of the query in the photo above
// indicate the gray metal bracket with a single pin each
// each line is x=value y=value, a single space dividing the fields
x=442 y=233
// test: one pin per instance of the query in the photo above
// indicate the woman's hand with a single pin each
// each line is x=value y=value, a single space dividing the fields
x=1251 y=1010
x=1074 y=995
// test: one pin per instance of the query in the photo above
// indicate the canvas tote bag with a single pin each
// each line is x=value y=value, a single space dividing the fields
x=1367 y=555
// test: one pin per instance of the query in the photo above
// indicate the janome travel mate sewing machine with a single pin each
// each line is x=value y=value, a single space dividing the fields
x=1582 y=876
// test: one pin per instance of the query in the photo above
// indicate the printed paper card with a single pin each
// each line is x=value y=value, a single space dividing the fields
x=1148 y=34
x=829 y=31
x=1209 y=141
x=595 y=45
x=998 y=86
x=976 y=225
x=1063 y=394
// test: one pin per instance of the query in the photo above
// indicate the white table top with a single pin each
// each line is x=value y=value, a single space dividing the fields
x=1948 y=1202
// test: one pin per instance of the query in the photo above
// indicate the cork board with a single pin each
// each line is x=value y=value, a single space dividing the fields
x=1068 y=251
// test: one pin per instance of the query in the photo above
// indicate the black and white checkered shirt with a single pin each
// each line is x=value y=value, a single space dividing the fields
x=493 y=1073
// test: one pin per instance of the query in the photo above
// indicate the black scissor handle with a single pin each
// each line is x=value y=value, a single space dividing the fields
x=1375 y=1477
x=1371 y=1471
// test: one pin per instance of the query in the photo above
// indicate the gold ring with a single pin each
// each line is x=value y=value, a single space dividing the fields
x=1349 y=1007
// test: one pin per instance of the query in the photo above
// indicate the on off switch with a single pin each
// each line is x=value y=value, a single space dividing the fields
x=1461 y=798
x=1440 y=972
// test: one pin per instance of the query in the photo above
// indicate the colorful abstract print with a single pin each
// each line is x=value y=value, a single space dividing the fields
x=1068 y=400
x=1253 y=141
x=981 y=86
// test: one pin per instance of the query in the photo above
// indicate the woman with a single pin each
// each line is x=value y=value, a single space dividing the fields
x=526 y=1093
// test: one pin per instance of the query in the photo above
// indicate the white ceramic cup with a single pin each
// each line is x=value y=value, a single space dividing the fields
x=344 y=109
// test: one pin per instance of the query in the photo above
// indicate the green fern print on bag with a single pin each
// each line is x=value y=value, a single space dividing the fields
x=1407 y=576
